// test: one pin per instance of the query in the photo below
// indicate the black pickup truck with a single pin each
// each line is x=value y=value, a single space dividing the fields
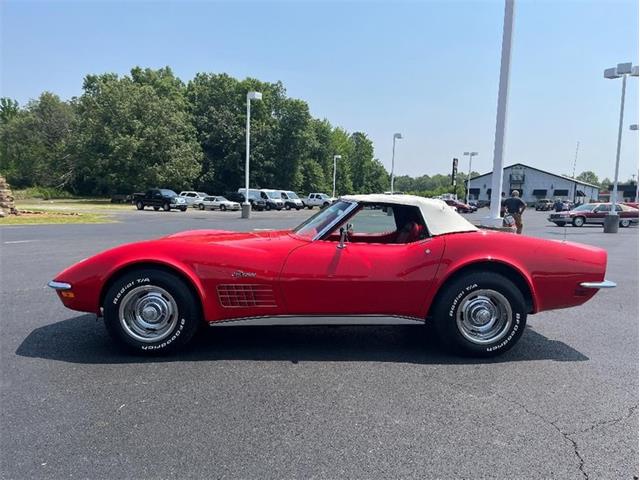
x=160 y=198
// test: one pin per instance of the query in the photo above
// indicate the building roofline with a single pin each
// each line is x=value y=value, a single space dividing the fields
x=539 y=170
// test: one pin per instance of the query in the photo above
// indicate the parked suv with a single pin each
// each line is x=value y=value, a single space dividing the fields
x=320 y=200
x=291 y=200
x=191 y=197
x=256 y=202
x=160 y=198
x=544 y=205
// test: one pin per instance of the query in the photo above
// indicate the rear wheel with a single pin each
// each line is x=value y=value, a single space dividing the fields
x=287 y=207
x=578 y=221
x=201 y=206
x=325 y=204
x=139 y=205
x=223 y=208
x=183 y=209
x=268 y=207
x=151 y=311
x=480 y=314
x=625 y=223
x=166 y=207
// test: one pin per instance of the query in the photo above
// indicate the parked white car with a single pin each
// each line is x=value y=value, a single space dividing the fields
x=291 y=200
x=213 y=203
x=320 y=200
x=191 y=197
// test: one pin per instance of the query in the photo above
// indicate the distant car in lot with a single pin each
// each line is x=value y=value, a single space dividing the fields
x=256 y=202
x=191 y=197
x=460 y=206
x=291 y=200
x=273 y=199
x=631 y=204
x=483 y=203
x=216 y=202
x=544 y=205
x=160 y=198
x=594 y=213
x=320 y=200
x=420 y=263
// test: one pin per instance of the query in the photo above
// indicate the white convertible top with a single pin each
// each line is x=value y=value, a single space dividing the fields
x=440 y=217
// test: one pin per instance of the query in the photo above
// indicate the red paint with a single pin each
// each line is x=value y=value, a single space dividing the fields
x=296 y=276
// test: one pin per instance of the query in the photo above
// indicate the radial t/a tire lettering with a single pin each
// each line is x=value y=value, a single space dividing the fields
x=480 y=314
x=151 y=311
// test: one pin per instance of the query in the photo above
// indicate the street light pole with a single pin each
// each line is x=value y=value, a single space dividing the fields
x=393 y=157
x=335 y=158
x=634 y=127
x=470 y=155
x=494 y=218
x=622 y=70
x=246 y=206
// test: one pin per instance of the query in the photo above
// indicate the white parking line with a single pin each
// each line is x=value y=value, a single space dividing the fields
x=20 y=241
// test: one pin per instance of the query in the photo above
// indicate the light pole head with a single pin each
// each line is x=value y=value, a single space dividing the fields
x=397 y=135
x=254 y=96
x=634 y=71
x=337 y=157
x=624 y=68
x=611 y=73
x=633 y=127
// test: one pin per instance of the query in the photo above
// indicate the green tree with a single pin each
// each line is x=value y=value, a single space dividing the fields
x=35 y=142
x=134 y=132
x=588 y=177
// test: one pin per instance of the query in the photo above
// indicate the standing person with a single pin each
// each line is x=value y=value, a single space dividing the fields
x=515 y=206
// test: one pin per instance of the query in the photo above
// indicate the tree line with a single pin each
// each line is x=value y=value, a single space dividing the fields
x=146 y=129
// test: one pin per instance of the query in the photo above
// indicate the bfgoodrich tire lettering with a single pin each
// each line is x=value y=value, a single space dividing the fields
x=480 y=314
x=151 y=311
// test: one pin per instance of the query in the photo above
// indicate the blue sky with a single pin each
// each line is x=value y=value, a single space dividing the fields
x=426 y=69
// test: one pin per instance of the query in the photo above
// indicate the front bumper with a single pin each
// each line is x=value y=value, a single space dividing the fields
x=602 y=284
x=59 y=285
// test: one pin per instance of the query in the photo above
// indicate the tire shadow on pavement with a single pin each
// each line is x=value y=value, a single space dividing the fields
x=84 y=340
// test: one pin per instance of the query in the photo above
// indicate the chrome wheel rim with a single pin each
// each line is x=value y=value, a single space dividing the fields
x=484 y=316
x=148 y=313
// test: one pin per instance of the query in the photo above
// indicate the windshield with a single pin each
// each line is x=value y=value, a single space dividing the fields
x=322 y=195
x=168 y=193
x=274 y=195
x=292 y=195
x=321 y=220
x=588 y=206
x=202 y=194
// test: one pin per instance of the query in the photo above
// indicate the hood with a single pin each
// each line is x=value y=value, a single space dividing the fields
x=224 y=236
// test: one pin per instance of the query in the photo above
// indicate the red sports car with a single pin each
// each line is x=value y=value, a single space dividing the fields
x=367 y=260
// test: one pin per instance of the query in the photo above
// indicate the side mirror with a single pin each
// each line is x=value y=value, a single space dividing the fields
x=343 y=237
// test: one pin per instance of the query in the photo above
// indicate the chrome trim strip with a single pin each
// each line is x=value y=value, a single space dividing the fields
x=59 y=285
x=300 y=320
x=603 y=284
x=328 y=228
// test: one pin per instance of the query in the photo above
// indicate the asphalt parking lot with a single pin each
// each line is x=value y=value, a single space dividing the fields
x=341 y=402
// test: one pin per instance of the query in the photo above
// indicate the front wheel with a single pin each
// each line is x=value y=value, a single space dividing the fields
x=151 y=311
x=166 y=207
x=183 y=209
x=223 y=208
x=578 y=221
x=201 y=206
x=310 y=207
x=481 y=314
x=287 y=207
x=625 y=223
x=268 y=207
x=139 y=205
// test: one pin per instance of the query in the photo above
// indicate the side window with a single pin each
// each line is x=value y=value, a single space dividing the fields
x=602 y=208
x=618 y=208
x=374 y=219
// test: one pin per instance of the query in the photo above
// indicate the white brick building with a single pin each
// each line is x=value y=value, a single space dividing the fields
x=534 y=184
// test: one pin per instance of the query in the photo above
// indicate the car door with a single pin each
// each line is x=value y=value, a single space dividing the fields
x=361 y=279
x=598 y=214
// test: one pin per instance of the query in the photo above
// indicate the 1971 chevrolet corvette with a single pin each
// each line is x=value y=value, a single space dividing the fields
x=366 y=260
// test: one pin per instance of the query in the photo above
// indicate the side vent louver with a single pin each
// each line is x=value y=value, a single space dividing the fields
x=246 y=296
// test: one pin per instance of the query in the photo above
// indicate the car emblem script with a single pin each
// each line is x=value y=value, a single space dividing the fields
x=241 y=274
